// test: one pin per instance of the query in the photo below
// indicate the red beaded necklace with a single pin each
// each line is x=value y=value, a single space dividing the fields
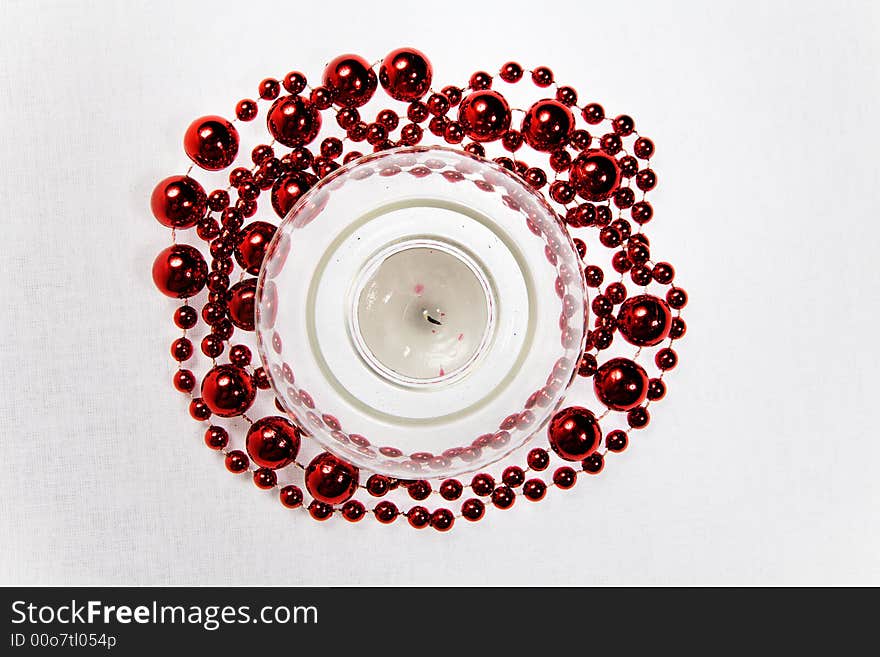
x=590 y=181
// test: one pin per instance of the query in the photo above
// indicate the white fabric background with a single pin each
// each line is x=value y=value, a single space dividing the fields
x=759 y=468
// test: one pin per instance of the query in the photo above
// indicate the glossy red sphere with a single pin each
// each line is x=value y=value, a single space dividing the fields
x=180 y=271
x=240 y=306
x=574 y=433
x=644 y=320
x=273 y=442
x=252 y=243
x=228 y=390
x=547 y=125
x=406 y=74
x=179 y=202
x=621 y=384
x=595 y=175
x=330 y=480
x=351 y=80
x=287 y=190
x=293 y=121
x=211 y=142
x=484 y=115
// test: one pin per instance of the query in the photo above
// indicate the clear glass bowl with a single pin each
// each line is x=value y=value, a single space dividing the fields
x=421 y=312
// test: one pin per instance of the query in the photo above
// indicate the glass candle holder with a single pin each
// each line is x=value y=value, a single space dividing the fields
x=421 y=312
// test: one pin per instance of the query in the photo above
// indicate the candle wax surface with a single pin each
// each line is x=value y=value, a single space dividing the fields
x=423 y=314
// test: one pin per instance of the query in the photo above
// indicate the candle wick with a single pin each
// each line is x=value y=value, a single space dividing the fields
x=431 y=319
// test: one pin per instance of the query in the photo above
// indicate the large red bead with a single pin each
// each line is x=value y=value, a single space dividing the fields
x=621 y=384
x=180 y=271
x=595 y=175
x=644 y=320
x=179 y=202
x=574 y=433
x=228 y=390
x=406 y=74
x=241 y=304
x=287 y=190
x=484 y=115
x=293 y=121
x=273 y=442
x=211 y=142
x=331 y=480
x=351 y=80
x=252 y=244
x=547 y=125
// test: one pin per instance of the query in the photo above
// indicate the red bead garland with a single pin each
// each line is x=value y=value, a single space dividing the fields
x=612 y=177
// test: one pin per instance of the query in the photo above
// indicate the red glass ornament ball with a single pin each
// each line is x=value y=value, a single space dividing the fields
x=351 y=80
x=547 y=125
x=240 y=306
x=273 y=442
x=621 y=384
x=251 y=246
x=287 y=190
x=228 y=390
x=179 y=202
x=406 y=74
x=595 y=175
x=574 y=433
x=484 y=115
x=180 y=271
x=293 y=120
x=211 y=142
x=644 y=320
x=331 y=480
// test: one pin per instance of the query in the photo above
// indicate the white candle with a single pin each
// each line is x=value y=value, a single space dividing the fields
x=423 y=313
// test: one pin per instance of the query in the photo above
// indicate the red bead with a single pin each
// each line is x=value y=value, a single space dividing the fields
x=642 y=212
x=538 y=459
x=646 y=180
x=595 y=175
x=621 y=384
x=418 y=517
x=410 y=134
x=237 y=462
x=512 y=140
x=644 y=320
x=451 y=489
x=547 y=125
x=593 y=275
x=623 y=125
x=561 y=192
x=480 y=80
x=377 y=485
x=534 y=490
x=567 y=96
x=484 y=115
x=511 y=72
x=406 y=74
x=616 y=441
x=565 y=477
x=473 y=509
x=678 y=328
x=587 y=365
x=287 y=190
x=180 y=271
x=211 y=142
x=216 y=437
x=593 y=464
x=273 y=442
x=319 y=510
x=291 y=496
x=250 y=248
x=199 y=410
x=677 y=298
x=351 y=80
x=643 y=148
x=185 y=317
x=483 y=484
x=246 y=110
x=638 y=418
x=330 y=479
x=663 y=273
x=228 y=390
x=184 y=381
x=386 y=512
x=178 y=202
x=261 y=379
x=560 y=160
x=181 y=349
x=593 y=113
x=581 y=247
x=265 y=478
x=442 y=520
x=294 y=82
x=321 y=98
x=241 y=304
x=535 y=177
x=503 y=497
x=419 y=490
x=666 y=359
x=513 y=476
x=212 y=345
x=269 y=89
x=293 y=121
x=580 y=139
x=353 y=511
x=610 y=143
x=542 y=76
x=574 y=433
x=656 y=389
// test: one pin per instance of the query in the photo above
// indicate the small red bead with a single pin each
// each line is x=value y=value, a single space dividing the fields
x=353 y=511
x=294 y=82
x=562 y=192
x=419 y=490
x=643 y=148
x=678 y=328
x=199 y=410
x=677 y=298
x=265 y=478
x=246 y=110
x=442 y=520
x=587 y=366
x=451 y=489
x=386 y=512
x=237 y=462
x=319 y=510
x=534 y=490
x=418 y=517
x=666 y=359
x=180 y=271
x=567 y=96
x=565 y=477
x=480 y=80
x=269 y=89
x=542 y=76
x=483 y=484
x=512 y=140
x=185 y=317
x=321 y=98
x=593 y=113
x=330 y=479
x=538 y=459
x=656 y=389
x=593 y=464
x=503 y=497
x=616 y=441
x=212 y=345
x=406 y=74
x=623 y=125
x=377 y=485
x=638 y=418
x=574 y=433
x=511 y=72
x=184 y=381
x=181 y=349
x=211 y=142
x=513 y=476
x=216 y=437
x=473 y=509
x=291 y=496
